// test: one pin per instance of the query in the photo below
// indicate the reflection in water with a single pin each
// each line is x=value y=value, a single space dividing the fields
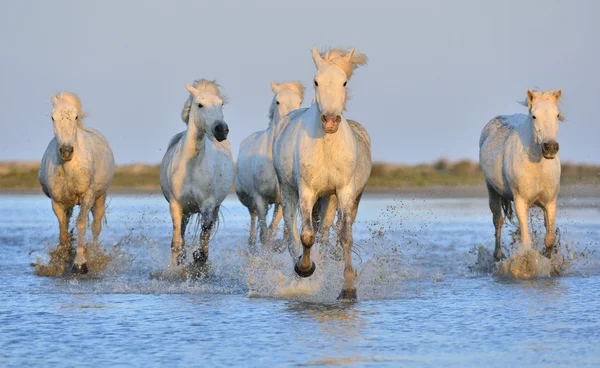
x=341 y=325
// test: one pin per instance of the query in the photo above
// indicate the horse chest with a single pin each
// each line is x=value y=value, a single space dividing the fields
x=207 y=179
x=70 y=186
x=327 y=167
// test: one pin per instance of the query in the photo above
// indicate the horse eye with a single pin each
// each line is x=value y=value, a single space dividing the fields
x=533 y=117
x=277 y=102
x=200 y=106
x=76 y=117
x=558 y=116
x=316 y=84
x=345 y=83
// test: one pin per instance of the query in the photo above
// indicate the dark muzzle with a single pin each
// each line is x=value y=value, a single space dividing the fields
x=220 y=131
x=66 y=152
x=550 y=149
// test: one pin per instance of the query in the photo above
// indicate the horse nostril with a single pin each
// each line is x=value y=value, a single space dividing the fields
x=323 y=118
x=338 y=119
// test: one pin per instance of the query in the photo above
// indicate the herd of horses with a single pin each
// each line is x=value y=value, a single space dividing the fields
x=311 y=161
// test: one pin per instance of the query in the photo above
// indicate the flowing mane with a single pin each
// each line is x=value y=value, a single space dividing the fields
x=201 y=85
x=336 y=57
x=294 y=86
x=548 y=95
x=72 y=99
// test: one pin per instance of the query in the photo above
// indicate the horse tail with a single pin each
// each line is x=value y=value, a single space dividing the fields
x=507 y=208
x=197 y=231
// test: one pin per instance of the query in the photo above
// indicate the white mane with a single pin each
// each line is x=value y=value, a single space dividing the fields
x=71 y=99
x=294 y=86
x=201 y=85
x=336 y=57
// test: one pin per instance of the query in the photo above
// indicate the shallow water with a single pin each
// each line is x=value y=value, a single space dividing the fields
x=422 y=299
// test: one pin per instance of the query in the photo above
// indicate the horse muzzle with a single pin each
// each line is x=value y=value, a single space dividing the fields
x=220 y=131
x=550 y=149
x=66 y=152
x=331 y=123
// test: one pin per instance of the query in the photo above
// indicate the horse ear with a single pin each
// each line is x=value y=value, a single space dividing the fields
x=350 y=54
x=529 y=98
x=194 y=92
x=557 y=95
x=274 y=87
x=316 y=57
x=54 y=99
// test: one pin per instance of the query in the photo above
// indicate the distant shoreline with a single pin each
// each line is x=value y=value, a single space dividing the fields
x=432 y=191
x=440 y=179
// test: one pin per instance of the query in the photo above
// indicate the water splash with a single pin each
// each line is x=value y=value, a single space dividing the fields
x=98 y=259
x=565 y=258
x=526 y=263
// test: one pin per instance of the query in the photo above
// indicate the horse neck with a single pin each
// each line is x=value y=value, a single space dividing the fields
x=271 y=132
x=194 y=139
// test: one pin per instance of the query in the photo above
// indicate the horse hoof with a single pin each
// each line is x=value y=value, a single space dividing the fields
x=305 y=274
x=348 y=295
x=81 y=269
x=500 y=257
x=200 y=257
x=549 y=251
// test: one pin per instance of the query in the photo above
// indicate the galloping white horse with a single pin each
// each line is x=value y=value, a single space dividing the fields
x=77 y=169
x=319 y=155
x=197 y=171
x=256 y=183
x=519 y=158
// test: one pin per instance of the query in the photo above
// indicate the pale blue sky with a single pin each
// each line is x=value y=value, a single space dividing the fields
x=438 y=70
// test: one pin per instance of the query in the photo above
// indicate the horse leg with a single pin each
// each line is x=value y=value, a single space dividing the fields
x=185 y=220
x=304 y=266
x=316 y=213
x=522 y=210
x=495 y=202
x=348 y=202
x=328 y=210
x=177 y=241
x=277 y=216
x=98 y=212
x=63 y=222
x=69 y=215
x=80 y=263
x=549 y=219
x=252 y=238
x=290 y=213
x=327 y=215
x=261 y=209
x=208 y=221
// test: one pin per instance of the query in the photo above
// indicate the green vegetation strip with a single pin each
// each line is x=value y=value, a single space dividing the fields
x=19 y=176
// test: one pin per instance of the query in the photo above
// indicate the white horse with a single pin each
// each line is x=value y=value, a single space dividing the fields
x=197 y=170
x=256 y=183
x=519 y=158
x=320 y=156
x=77 y=169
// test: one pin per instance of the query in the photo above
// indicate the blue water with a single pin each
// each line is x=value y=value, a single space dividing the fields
x=421 y=302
